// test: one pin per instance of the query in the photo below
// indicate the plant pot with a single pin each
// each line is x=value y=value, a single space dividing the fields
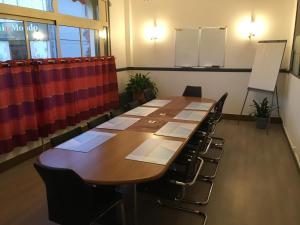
x=261 y=123
x=139 y=96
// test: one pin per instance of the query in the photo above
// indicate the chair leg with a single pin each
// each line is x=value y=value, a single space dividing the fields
x=195 y=202
x=184 y=209
x=210 y=177
x=211 y=159
x=122 y=213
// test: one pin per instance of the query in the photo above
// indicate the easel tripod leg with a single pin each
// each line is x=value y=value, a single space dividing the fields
x=243 y=106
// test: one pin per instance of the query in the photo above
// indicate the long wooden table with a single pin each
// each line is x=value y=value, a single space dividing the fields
x=106 y=164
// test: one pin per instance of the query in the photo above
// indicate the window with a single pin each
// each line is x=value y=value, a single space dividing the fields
x=34 y=34
x=12 y=40
x=81 y=8
x=45 y=5
x=42 y=40
x=295 y=60
x=90 y=42
x=72 y=45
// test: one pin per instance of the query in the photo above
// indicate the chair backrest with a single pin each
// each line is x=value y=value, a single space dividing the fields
x=192 y=91
x=95 y=122
x=65 y=136
x=69 y=198
x=220 y=104
x=125 y=98
x=149 y=94
x=133 y=104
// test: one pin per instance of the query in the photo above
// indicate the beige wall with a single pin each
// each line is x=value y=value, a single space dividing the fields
x=291 y=111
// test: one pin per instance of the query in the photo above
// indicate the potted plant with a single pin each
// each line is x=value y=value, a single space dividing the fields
x=262 y=113
x=138 y=83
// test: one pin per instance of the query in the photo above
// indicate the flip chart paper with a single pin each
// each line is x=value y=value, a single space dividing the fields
x=157 y=103
x=86 y=141
x=190 y=115
x=119 y=123
x=199 y=106
x=155 y=151
x=175 y=129
x=141 y=111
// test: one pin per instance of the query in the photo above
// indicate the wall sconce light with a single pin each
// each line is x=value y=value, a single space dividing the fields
x=252 y=27
x=154 y=31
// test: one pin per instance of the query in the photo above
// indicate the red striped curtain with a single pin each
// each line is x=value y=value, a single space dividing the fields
x=63 y=93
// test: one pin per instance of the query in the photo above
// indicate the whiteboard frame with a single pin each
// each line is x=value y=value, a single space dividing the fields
x=225 y=40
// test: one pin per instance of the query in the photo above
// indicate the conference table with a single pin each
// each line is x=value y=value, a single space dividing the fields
x=106 y=164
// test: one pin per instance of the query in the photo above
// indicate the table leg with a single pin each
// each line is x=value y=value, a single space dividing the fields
x=130 y=200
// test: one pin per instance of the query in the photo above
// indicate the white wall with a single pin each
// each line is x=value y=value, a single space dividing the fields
x=277 y=15
x=291 y=111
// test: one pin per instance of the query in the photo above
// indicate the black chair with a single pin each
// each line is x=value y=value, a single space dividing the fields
x=192 y=91
x=95 y=122
x=149 y=94
x=133 y=104
x=214 y=144
x=71 y=201
x=65 y=136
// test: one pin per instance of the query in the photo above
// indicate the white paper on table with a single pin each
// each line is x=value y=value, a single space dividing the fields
x=141 y=111
x=155 y=151
x=157 y=103
x=190 y=115
x=175 y=129
x=199 y=106
x=86 y=141
x=119 y=123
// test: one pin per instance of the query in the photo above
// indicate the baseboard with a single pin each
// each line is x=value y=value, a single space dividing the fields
x=23 y=157
x=248 y=118
x=292 y=146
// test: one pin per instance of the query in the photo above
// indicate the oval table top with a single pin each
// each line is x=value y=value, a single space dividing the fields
x=106 y=163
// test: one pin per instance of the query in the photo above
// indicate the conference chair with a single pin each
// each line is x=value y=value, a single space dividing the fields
x=95 y=122
x=65 y=136
x=192 y=91
x=71 y=201
x=133 y=104
x=149 y=94
x=207 y=129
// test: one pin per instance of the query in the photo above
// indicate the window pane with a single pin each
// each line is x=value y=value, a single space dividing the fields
x=69 y=41
x=42 y=40
x=81 y=8
x=12 y=39
x=90 y=43
x=45 y=5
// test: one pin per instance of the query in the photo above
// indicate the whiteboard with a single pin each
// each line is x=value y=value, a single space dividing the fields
x=212 y=46
x=186 y=47
x=266 y=65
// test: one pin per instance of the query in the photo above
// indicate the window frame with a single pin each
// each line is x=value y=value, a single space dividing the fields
x=34 y=15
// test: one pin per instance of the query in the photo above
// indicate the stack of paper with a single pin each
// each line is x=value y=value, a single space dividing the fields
x=156 y=151
x=119 y=123
x=190 y=115
x=157 y=103
x=199 y=106
x=141 y=111
x=86 y=141
x=174 y=129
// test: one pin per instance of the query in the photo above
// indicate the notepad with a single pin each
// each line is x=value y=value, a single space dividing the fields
x=119 y=123
x=190 y=115
x=175 y=129
x=155 y=151
x=86 y=141
x=199 y=106
x=157 y=103
x=141 y=111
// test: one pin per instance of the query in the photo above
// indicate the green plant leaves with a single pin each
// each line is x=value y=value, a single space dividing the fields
x=139 y=82
x=263 y=109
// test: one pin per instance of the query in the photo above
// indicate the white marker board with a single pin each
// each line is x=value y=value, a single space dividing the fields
x=186 y=47
x=212 y=46
x=266 y=65
x=204 y=47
